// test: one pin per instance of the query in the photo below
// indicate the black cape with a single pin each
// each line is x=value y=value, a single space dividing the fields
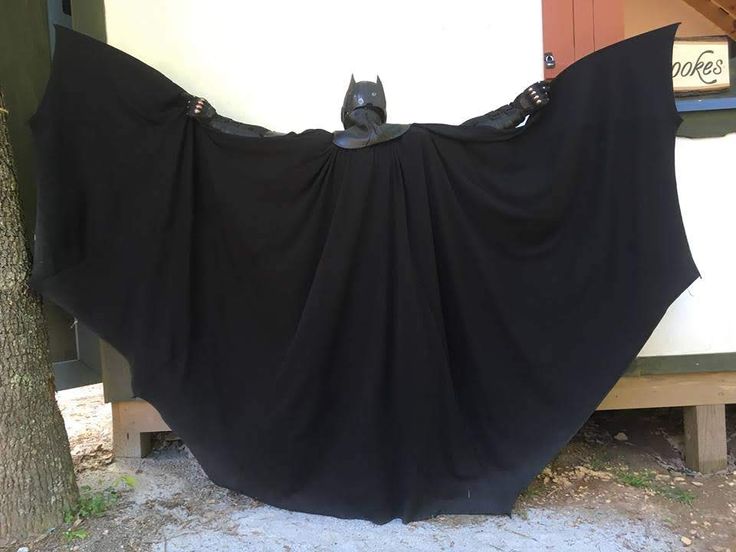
x=398 y=331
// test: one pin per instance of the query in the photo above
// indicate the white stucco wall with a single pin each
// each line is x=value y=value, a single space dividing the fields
x=703 y=319
x=284 y=65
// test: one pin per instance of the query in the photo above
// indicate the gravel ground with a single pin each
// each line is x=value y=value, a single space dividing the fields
x=620 y=485
x=174 y=508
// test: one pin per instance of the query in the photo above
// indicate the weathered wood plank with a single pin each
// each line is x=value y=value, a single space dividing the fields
x=671 y=390
x=716 y=14
x=133 y=419
x=132 y=425
x=705 y=437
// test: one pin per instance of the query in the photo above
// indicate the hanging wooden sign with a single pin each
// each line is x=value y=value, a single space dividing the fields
x=700 y=65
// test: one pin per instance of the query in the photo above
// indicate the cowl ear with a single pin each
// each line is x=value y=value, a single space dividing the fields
x=378 y=80
x=352 y=79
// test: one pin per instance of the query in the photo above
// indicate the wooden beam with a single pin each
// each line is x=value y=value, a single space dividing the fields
x=717 y=14
x=134 y=420
x=705 y=438
x=728 y=5
x=671 y=390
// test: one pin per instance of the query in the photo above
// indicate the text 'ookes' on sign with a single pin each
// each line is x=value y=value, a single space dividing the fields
x=700 y=64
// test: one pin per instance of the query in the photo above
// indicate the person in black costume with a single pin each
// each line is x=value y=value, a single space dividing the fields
x=202 y=110
x=364 y=115
x=532 y=99
x=398 y=331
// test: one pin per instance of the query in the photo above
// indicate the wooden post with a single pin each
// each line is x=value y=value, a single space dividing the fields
x=705 y=437
x=132 y=425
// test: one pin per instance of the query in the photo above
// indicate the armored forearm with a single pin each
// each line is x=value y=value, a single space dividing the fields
x=202 y=110
x=534 y=98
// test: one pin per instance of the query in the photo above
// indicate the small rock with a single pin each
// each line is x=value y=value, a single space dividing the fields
x=621 y=436
x=23 y=549
x=697 y=483
x=686 y=541
x=693 y=532
x=679 y=479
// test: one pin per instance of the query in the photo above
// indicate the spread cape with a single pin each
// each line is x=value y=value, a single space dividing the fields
x=398 y=331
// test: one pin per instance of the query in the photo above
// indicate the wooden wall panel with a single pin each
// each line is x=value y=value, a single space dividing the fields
x=584 y=27
x=557 y=16
x=608 y=22
x=575 y=28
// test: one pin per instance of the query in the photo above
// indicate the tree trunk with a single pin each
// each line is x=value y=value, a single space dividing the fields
x=37 y=482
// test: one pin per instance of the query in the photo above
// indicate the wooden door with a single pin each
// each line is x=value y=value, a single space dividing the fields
x=575 y=28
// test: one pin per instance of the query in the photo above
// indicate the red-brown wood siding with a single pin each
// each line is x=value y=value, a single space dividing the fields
x=575 y=28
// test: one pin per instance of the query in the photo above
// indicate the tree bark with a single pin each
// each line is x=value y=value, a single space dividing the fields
x=37 y=482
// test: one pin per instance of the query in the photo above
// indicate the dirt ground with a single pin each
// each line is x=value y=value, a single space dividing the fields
x=620 y=485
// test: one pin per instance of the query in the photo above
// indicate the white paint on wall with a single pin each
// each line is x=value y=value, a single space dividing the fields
x=703 y=319
x=286 y=64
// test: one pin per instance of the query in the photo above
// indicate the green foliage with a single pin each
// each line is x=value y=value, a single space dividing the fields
x=74 y=534
x=683 y=496
x=94 y=504
x=599 y=460
x=128 y=480
x=647 y=480
x=640 y=480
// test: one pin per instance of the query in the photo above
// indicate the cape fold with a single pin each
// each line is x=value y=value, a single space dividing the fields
x=399 y=331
